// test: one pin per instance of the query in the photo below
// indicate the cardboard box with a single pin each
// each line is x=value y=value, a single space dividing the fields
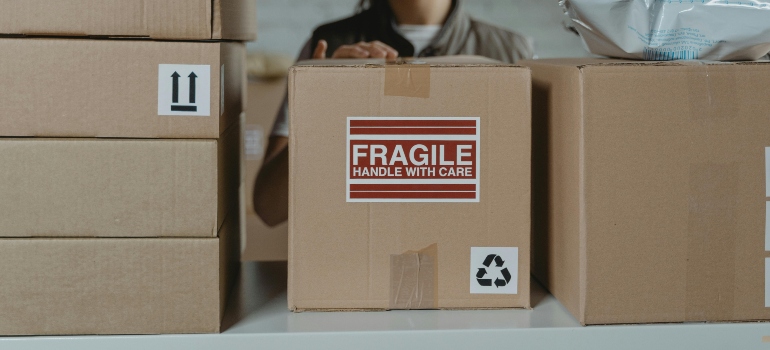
x=117 y=188
x=120 y=88
x=648 y=184
x=363 y=235
x=157 y=19
x=261 y=242
x=116 y=285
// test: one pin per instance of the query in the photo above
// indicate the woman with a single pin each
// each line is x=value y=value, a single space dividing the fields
x=383 y=29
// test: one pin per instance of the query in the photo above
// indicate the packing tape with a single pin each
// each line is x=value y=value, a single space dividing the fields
x=407 y=79
x=712 y=227
x=414 y=279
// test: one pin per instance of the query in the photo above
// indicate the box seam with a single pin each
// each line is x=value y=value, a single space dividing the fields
x=583 y=263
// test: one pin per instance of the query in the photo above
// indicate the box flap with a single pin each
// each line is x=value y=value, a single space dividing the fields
x=608 y=62
x=442 y=61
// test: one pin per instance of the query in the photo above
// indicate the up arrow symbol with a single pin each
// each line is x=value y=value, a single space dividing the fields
x=192 y=77
x=175 y=88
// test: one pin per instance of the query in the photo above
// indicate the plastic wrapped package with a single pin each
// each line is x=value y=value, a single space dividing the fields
x=665 y=30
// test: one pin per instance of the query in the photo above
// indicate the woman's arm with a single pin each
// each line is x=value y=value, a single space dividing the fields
x=271 y=190
x=271 y=187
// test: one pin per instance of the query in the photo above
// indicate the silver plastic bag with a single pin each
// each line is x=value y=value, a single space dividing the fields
x=664 y=30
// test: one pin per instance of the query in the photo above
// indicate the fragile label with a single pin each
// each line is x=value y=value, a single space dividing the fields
x=184 y=89
x=494 y=270
x=400 y=159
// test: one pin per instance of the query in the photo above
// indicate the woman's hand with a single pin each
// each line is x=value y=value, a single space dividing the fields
x=374 y=49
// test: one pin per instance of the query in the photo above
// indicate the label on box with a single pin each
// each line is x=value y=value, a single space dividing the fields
x=253 y=138
x=494 y=270
x=767 y=282
x=767 y=225
x=184 y=89
x=417 y=159
x=767 y=172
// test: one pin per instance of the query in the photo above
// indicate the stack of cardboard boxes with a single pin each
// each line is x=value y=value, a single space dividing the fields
x=119 y=164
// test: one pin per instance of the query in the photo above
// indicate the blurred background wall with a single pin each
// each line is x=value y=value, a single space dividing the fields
x=285 y=25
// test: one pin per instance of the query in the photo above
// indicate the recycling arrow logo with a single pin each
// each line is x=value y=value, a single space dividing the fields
x=494 y=270
x=498 y=282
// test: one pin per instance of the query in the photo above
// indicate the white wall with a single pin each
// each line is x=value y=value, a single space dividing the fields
x=285 y=25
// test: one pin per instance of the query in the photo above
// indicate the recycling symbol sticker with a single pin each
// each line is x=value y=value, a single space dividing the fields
x=494 y=270
x=486 y=282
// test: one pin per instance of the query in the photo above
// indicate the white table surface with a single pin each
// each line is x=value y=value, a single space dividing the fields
x=258 y=318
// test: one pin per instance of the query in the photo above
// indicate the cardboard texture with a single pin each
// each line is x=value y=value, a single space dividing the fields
x=117 y=188
x=116 y=285
x=362 y=246
x=648 y=189
x=116 y=88
x=156 y=19
x=260 y=242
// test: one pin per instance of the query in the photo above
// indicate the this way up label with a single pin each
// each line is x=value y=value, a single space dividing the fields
x=184 y=89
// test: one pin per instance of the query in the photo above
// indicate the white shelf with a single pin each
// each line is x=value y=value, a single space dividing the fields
x=258 y=319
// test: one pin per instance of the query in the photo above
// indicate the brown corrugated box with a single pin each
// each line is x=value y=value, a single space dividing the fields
x=650 y=189
x=116 y=88
x=116 y=285
x=156 y=19
x=117 y=187
x=347 y=251
x=261 y=242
